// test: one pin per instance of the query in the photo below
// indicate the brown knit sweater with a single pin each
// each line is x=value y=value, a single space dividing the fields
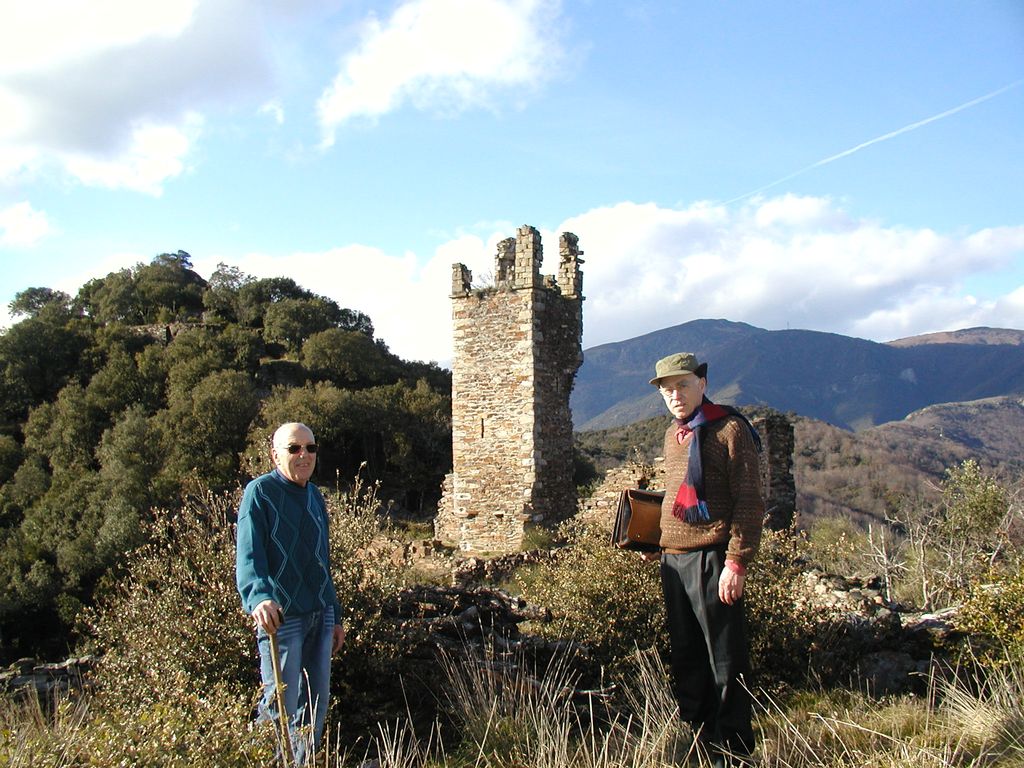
x=732 y=488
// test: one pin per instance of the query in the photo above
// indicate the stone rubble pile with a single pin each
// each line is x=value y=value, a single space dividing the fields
x=889 y=650
x=47 y=680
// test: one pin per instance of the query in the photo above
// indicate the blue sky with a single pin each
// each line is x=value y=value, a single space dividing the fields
x=855 y=167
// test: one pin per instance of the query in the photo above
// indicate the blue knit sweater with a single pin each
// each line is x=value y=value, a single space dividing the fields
x=282 y=552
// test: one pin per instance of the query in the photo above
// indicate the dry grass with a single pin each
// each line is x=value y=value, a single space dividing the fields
x=511 y=715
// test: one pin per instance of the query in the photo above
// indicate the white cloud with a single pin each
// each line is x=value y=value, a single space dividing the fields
x=797 y=212
x=275 y=110
x=442 y=55
x=1011 y=307
x=22 y=226
x=110 y=92
x=649 y=268
x=51 y=33
x=156 y=153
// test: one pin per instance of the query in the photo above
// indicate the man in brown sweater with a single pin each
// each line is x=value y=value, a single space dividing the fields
x=710 y=531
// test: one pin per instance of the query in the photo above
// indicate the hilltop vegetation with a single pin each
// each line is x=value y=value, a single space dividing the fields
x=152 y=384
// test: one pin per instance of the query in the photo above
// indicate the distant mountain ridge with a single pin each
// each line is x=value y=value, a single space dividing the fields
x=848 y=382
x=965 y=336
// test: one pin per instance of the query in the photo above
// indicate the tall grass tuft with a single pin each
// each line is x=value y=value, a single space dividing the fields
x=512 y=714
x=986 y=713
x=31 y=736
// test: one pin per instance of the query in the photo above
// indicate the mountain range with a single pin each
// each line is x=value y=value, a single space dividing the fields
x=847 y=382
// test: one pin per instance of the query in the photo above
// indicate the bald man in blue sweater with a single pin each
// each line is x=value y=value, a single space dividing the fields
x=283 y=573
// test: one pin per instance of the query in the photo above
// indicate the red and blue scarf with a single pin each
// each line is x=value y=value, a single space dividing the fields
x=690 y=504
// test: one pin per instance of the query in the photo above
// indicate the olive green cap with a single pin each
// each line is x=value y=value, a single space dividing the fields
x=677 y=365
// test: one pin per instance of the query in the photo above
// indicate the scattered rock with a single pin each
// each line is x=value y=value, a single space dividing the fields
x=47 y=679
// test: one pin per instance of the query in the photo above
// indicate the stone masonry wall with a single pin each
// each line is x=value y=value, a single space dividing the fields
x=777 y=483
x=517 y=346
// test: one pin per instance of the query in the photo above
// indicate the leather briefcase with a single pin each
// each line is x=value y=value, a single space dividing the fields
x=638 y=520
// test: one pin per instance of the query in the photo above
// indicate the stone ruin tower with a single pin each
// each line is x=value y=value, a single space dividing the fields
x=518 y=345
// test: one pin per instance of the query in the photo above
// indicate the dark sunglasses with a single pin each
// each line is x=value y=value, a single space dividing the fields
x=310 y=448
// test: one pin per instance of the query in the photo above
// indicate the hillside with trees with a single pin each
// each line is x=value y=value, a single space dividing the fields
x=153 y=384
x=865 y=476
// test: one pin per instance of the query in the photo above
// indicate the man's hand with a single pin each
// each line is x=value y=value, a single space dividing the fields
x=268 y=616
x=650 y=557
x=338 y=639
x=730 y=586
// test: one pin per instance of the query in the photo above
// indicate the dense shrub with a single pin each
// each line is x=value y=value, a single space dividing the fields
x=608 y=599
x=782 y=629
x=367 y=682
x=176 y=615
x=993 y=617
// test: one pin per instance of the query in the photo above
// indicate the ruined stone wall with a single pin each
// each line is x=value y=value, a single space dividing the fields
x=558 y=355
x=777 y=484
x=517 y=346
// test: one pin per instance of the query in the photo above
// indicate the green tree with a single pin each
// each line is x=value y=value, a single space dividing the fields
x=256 y=296
x=950 y=543
x=27 y=485
x=153 y=366
x=346 y=358
x=65 y=431
x=353 y=320
x=181 y=260
x=292 y=321
x=242 y=347
x=38 y=356
x=112 y=299
x=70 y=528
x=50 y=561
x=168 y=288
x=190 y=357
x=205 y=429
x=10 y=458
x=31 y=301
x=118 y=336
x=401 y=434
x=329 y=411
x=117 y=384
x=221 y=295
x=130 y=459
x=412 y=427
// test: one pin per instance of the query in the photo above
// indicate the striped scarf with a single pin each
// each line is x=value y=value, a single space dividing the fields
x=690 y=504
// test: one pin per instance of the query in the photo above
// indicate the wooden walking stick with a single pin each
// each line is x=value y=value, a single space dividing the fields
x=287 y=755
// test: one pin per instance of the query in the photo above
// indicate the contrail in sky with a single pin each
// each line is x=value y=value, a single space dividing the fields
x=877 y=139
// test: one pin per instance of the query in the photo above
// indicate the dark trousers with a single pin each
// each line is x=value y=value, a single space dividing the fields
x=710 y=652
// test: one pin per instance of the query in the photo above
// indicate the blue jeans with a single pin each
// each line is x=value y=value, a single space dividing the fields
x=304 y=651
